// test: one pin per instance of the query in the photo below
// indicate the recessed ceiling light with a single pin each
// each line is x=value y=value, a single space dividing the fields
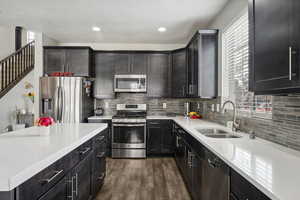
x=162 y=29
x=95 y=28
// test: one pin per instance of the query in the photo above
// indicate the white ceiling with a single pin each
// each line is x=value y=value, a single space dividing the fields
x=121 y=21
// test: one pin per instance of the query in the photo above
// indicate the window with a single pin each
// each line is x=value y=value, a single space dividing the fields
x=30 y=36
x=235 y=73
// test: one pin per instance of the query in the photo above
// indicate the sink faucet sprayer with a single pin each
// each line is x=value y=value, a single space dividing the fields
x=235 y=125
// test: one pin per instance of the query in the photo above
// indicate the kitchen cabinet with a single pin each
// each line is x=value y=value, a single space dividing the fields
x=104 y=82
x=274 y=57
x=77 y=60
x=160 y=139
x=139 y=63
x=179 y=76
x=159 y=73
x=241 y=189
x=131 y=63
x=202 y=69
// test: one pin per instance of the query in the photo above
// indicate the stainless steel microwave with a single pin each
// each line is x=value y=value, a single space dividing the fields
x=130 y=83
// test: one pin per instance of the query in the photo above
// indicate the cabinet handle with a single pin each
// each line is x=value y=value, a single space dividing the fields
x=154 y=123
x=85 y=151
x=56 y=174
x=290 y=63
x=76 y=179
x=72 y=188
x=183 y=91
x=101 y=177
x=101 y=155
x=99 y=139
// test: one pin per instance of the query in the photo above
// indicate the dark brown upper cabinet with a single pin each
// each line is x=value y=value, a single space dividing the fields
x=78 y=60
x=131 y=63
x=159 y=75
x=179 y=76
x=274 y=46
x=105 y=71
x=202 y=65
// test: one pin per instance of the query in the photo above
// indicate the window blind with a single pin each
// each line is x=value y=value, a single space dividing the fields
x=235 y=45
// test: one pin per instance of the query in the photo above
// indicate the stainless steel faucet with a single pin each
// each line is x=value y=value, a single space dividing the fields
x=235 y=125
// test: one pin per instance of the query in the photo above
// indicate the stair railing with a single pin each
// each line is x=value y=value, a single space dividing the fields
x=16 y=66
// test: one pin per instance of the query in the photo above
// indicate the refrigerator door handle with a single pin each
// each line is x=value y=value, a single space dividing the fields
x=56 y=104
x=62 y=104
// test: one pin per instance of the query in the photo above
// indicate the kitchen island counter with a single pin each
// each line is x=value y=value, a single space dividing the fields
x=26 y=152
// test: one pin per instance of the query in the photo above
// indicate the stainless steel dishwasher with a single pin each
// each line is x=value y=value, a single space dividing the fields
x=216 y=180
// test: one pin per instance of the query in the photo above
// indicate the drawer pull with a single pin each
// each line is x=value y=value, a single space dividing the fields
x=85 y=151
x=56 y=174
x=101 y=177
x=101 y=155
x=99 y=139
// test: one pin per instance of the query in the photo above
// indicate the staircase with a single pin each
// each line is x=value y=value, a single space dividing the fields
x=16 y=66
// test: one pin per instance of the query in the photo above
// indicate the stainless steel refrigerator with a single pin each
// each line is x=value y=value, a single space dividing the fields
x=66 y=99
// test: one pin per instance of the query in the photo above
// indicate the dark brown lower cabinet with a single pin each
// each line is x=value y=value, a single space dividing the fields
x=160 y=138
x=82 y=175
x=58 y=192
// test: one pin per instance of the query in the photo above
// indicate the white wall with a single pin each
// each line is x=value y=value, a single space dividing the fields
x=15 y=99
x=7 y=41
x=233 y=10
x=127 y=46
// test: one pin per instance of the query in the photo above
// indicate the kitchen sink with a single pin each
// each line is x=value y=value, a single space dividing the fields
x=216 y=133
x=211 y=131
x=222 y=136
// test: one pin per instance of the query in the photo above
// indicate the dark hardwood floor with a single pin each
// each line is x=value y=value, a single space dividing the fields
x=143 y=179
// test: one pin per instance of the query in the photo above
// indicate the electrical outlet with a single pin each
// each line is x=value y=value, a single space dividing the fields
x=212 y=107
x=164 y=105
x=106 y=105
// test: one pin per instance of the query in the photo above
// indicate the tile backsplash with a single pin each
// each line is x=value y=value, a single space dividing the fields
x=283 y=128
x=155 y=105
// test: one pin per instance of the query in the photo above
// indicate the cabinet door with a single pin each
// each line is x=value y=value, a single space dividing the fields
x=215 y=179
x=168 y=139
x=154 y=139
x=158 y=76
x=179 y=73
x=271 y=46
x=82 y=173
x=295 y=44
x=78 y=62
x=104 y=83
x=197 y=177
x=139 y=63
x=99 y=167
x=54 y=60
x=58 y=192
x=122 y=64
x=192 y=68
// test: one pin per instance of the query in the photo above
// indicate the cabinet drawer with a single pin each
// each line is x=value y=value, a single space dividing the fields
x=242 y=189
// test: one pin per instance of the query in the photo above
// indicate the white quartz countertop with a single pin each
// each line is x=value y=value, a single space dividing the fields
x=272 y=168
x=24 y=153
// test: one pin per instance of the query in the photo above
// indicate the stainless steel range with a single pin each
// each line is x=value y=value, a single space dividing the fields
x=129 y=131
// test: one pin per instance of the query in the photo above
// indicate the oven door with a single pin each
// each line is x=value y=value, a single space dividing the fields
x=129 y=135
x=130 y=83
